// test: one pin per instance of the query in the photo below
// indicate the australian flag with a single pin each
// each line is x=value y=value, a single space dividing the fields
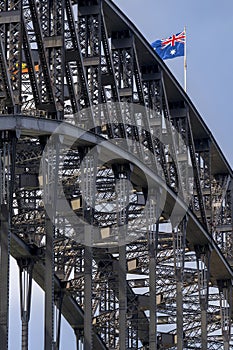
x=171 y=47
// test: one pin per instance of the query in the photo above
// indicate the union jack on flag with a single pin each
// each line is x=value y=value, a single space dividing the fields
x=171 y=47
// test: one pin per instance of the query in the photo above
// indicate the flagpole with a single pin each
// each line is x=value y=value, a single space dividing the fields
x=185 y=61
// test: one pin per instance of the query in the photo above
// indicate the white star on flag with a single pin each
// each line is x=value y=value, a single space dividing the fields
x=173 y=52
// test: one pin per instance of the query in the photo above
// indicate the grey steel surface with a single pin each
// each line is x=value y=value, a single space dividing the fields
x=58 y=59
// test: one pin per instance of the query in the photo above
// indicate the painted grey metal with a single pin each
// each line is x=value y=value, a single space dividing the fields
x=88 y=333
x=88 y=52
x=123 y=341
x=49 y=287
x=25 y=278
x=4 y=276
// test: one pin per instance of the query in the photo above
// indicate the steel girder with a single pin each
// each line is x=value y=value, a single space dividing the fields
x=170 y=287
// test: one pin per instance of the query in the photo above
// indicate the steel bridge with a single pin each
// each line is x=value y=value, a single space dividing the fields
x=134 y=251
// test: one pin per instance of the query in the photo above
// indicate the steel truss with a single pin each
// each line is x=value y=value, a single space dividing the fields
x=168 y=287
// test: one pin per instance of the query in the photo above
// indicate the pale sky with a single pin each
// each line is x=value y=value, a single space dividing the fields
x=209 y=25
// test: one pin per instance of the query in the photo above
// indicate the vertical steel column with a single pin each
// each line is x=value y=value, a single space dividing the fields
x=203 y=257
x=225 y=294
x=90 y=44
x=49 y=286
x=25 y=279
x=88 y=334
x=179 y=311
x=50 y=179
x=7 y=171
x=59 y=300
x=153 y=306
x=4 y=275
x=123 y=178
x=79 y=336
x=152 y=246
x=55 y=49
x=122 y=297
x=88 y=185
x=80 y=99
x=40 y=19
x=15 y=44
x=179 y=250
x=77 y=339
x=202 y=149
x=196 y=173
